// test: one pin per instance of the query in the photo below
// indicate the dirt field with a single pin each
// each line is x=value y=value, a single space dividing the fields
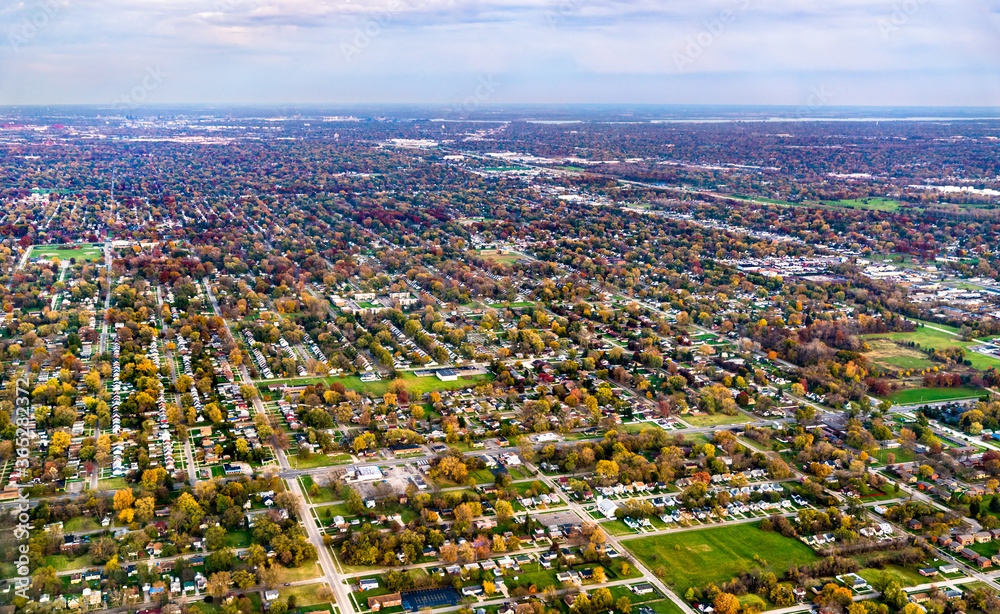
x=494 y=255
x=889 y=355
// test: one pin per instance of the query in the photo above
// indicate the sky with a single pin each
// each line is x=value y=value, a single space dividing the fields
x=474 y=53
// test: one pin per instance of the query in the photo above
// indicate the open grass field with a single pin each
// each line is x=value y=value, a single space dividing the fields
x=81 y=523
x=111 y=484
x=712 y=419
x=415 y=385
x=888 y=354
x=84 y=252
x=305 y=594
x=61 y=562
x=902 y=575
x=665 y=606
x=337 y=509
x=237 y=539
x=939 y=339
x=294 y=574
x=872 y=204
x=317 y=460
x=326 y=494
x=902 y=455
x=499 y=256
x=769 y=200
x=695 y=558
x=916 y=396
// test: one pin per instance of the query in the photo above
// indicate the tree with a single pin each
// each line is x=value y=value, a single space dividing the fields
x=112 y=565
x=60 y=441
x=504 y=510
x=355 y=505
x=726 y=603
x=582 y=604
x=243 y=579
x=599 y=576
x=607 y=469
x=624 y=604
x=288 y=501
x=123 y=499
x=601 y=599
x=598 y=536
x=215 y=538
x=218 y=584
x=268 y=575
x=189 y=505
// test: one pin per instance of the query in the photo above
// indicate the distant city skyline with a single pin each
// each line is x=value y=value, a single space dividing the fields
x=467 y=54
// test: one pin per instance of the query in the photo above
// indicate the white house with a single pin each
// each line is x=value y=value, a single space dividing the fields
x=607 y=507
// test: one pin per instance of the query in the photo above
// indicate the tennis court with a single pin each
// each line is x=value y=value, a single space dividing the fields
x=429 y=598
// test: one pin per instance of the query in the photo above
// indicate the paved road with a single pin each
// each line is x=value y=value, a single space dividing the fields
x=107 y=299
x=613 y=540
x=330 y=574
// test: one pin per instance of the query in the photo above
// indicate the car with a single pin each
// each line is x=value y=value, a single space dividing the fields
x=288 y=583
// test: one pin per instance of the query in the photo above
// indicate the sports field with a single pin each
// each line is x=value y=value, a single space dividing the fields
x=498 y=256
x=916 y=396
x=695 y=558
x=82 y=252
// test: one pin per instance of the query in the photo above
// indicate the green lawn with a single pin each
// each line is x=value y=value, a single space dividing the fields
x=314 y=460
x=988 y=549
x=891 y=355
x=929 y=338
x=237 y=539
x=916 y=396
x=305 y=594
x=695 y=558
x=294 y=574
x=902 y=455
x=326 y=494
x=873 y=203
x=712 y=419
x=65 y=252
x=111 y=484
x=665 y=606
x=80 y=523
x=415 y=385
x=902 y=575
x=61 y=562
x=337 y=509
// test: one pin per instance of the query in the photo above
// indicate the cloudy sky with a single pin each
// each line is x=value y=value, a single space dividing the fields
x=789 y=52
